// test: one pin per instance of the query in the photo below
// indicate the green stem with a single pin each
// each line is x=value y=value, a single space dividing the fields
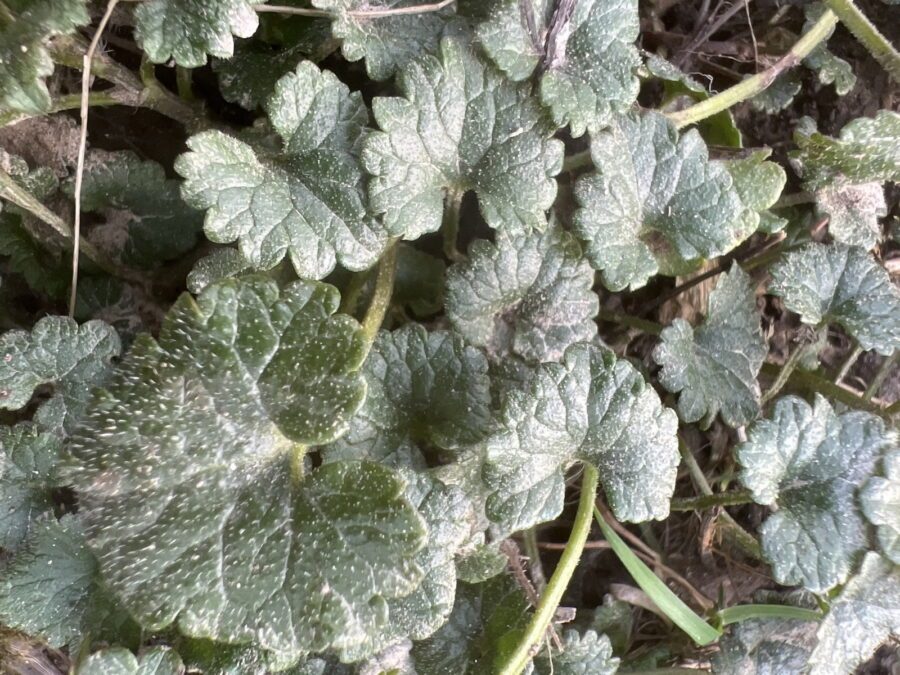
x=741 y=613
x=67 y=102
x=736 y=498
x=786 y=370
x=883 y=372
x=848 y=364
x=762 y=80
x=551 y=597
x=870 y=37
x=450 y=227
x=381 y=295
x=529 y=539
x=354 y=288
x=184 y=83
x=803 y=381
x=578 y=161
x=631 y=321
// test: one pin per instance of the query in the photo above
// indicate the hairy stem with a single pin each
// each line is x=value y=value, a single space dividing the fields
x=69 y=102
x=543 y=614
x=786 y=371
x=578 y=161
x=870 y=37
x=762 y=80
x=381 y=295
x=450 y=226
x=736 y=498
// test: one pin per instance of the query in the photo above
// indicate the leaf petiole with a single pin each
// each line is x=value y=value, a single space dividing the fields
x=381 y=295
x=739 y=613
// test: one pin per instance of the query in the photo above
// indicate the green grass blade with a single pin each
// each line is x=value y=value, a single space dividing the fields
x=740 y=613
x=669 y=603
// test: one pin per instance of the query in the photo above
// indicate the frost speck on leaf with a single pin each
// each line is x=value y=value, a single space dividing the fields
x=593 y=408
x=460 y=125
x=845 y=285
x=810 y=462
x=715 y=365
x=528 y=295
x=880 y=501
x=188 y=30
x=656 y=203
x=864 y=615
x=189 y=472
x=308 y=204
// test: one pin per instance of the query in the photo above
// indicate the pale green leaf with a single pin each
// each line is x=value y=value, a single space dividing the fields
x=505 y=38
x=426 y=392
x=584 y=654
x=656 y=203
x=387 y=43
x=594 y=408
x=460 y=125
x=24 y=60
x=528 y=295
x=187 y=30
x=864 y=615
x=714 y=366
x=118 y=661
x=308 y=203
x=880 y=501
x=222 y=263
x=845 y=285
x=189 y=472
x=810 y=462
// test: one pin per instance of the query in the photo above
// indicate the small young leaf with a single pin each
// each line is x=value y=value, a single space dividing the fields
x=880 y=501
x=830 y=69
x=461 y=125
x=656 y=203
x=57 y=351
x=387 y=43
x=118 y=661
x=52 y=589
x=780 y=94
x=715 y=365
x=841 y=284
x=187 y=30
x=810 y=462
x=865 y=614
x=505 y=38
x=528 y=295
x=593 y=408
x=24 y=61
x=419 y=283
x=424 y=389
x=584 y=654
x=308 y=204
x=223 y=263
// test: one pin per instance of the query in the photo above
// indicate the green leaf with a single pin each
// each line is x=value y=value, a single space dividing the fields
x=770 y=646
x=187 y=30
x=419 y=283
x=867 y=150
x=52 y=589
x=57 y=351
x=758 y=183
x=656 y=203
x=780 y=94
x=42 y=271
x=880 y=500
x=309 y=202
x=584 y=654
x=118 y=661
x=223 y=528
x=845 y=285
x=460 y=126
x=146 y=219
x=864 y=615
x=592 y=408
x=715 y=365
x=505 y=38
x=426 y=391
x=485 y=616
x=223 y=263
x=528 y=295
x=28 y=457
x=250 y=76
x=853 y=212
x=810 y=462
x=387 y=43
x=24 y=61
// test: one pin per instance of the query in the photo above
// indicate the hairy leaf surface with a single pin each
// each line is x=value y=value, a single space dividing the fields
x=307 y=203
x=810 y=462
x=880 y=501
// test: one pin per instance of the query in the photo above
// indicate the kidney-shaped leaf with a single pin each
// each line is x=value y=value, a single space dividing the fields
x=881 y=503
x=190 y=475
x=810 y=462
x=528 y=295
x=307 y=202
x=845 y=285
x=656 y=202
x=460 y=126
x=593 y=408
x=715 y=365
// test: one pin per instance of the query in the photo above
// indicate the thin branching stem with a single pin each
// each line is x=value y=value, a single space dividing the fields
x=870 y=37
x=848 y=364
x=784 y=374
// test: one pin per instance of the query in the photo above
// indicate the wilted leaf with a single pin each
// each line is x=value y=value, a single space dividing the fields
x=845 y=285
x=880 y=501
x=461 y=125
x=308 y=203
x=528 y=295
x=810 y=462
x=715 y=365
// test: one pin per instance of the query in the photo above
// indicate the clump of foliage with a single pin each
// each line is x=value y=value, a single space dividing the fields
x=398 y=291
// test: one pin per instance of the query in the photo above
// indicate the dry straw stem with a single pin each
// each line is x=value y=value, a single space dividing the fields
x=358 y=13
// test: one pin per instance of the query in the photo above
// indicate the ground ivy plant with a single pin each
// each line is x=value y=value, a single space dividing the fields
x=388 y=304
